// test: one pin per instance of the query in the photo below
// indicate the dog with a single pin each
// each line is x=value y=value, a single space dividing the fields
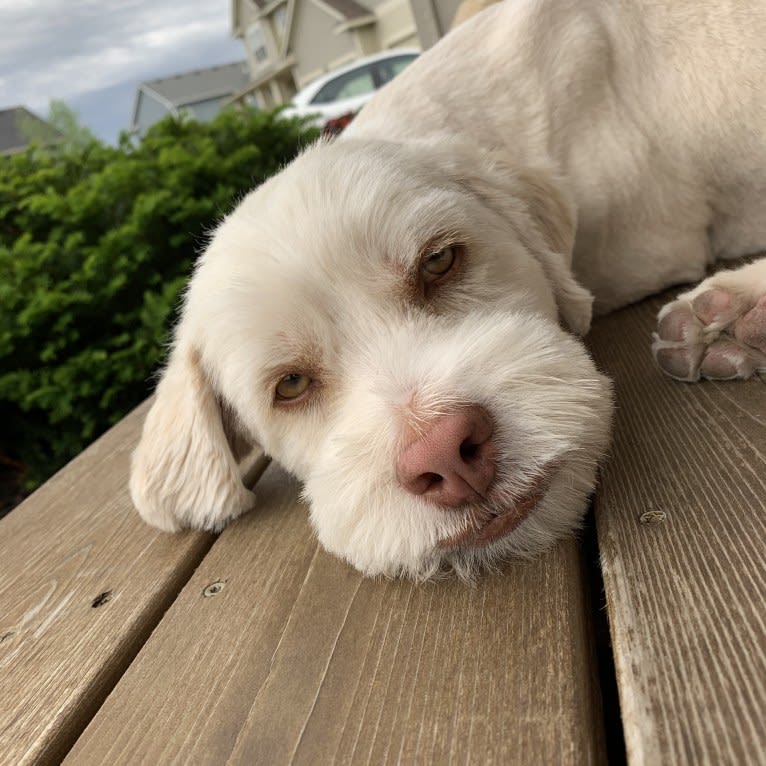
x=395 y=317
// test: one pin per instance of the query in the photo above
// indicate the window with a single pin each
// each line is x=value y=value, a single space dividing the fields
x=256 y=41
x=389 y=68
x=348 y=85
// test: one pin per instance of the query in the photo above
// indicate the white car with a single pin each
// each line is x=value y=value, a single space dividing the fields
x=346 y=90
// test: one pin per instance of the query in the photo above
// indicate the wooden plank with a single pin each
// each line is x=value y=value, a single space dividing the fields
x=276 y=652
x=681 y=523
x=83 y=581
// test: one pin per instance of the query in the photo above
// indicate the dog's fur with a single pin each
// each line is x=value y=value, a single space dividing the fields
x=566 y=151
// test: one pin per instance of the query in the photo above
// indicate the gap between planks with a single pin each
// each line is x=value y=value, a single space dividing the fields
x=83 y=582
x=685 y=593
x=298 y=659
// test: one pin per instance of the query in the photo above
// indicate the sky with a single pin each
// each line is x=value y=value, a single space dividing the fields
x=93 y=53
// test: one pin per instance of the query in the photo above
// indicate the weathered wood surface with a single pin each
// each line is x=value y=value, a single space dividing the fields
x=682 y=529
x=291 y=657
x=277 y=653
x=82 y=583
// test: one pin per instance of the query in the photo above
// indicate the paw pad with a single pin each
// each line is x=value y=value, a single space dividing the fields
x=751 y=328
x=716 y=307
x=679 y=324
x=680 y=362
x=715 y=334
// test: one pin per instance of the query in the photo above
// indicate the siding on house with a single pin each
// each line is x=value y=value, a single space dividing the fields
x=147 y=111
x=317 y=48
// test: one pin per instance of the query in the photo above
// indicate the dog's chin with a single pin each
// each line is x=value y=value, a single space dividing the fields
x=552 y=511
x=427 y=542
x=498 y=516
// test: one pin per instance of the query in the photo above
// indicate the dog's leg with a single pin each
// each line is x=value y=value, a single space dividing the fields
x=718 y=329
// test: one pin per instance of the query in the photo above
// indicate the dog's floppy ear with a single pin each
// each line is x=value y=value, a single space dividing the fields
x=555 y=219
x=184 y=471
x=552 y=214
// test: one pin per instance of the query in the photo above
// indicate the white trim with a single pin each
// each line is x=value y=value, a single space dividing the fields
x=277 y=33
x=134 y=113
x=267 y=10
x=395 y=41
x=384 y=8
x=206 y=96
x=287 y=38
x=360 y=21
x=236 y=30
x=166 y=102
x=329 y=10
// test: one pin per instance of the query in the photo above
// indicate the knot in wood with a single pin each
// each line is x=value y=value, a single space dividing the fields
x=214 y=588
x=652 y=517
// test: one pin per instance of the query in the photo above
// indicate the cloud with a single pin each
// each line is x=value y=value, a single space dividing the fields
x=58 y=49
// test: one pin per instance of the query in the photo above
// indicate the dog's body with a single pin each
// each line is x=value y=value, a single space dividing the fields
x=652 y=114
x=383 y=315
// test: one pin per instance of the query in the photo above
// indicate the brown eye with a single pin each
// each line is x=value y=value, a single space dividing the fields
x=436 y=265
x=292 y=386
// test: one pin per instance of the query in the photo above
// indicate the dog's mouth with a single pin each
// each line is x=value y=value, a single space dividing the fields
x=488 y=525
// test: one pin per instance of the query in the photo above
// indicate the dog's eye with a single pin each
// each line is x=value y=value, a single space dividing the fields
x=435 y=265
x=292 y=386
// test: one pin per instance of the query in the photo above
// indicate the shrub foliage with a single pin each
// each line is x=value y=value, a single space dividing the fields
x=96 y=244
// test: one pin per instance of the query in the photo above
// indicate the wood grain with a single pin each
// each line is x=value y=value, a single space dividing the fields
x=292 y=657
x=82 y=583
x=687 y=595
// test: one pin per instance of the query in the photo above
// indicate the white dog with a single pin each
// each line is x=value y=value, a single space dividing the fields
x=383 y=315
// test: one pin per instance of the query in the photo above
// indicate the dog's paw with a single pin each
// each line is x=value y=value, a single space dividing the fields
x=715 y=331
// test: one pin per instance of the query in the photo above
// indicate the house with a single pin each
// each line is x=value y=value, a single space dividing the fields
x=200 y=93
x=289 y=43
x=19 y=127
x=434 y=18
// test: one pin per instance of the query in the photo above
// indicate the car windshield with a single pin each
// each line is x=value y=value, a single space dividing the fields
x=363 y=80
x=389 y=68
x=355 y=83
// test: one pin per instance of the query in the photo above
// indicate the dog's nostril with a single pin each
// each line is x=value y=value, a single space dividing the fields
x=453 y=461
x=468 y=450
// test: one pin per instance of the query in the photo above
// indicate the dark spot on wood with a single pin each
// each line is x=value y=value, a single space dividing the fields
x=101 y=599
x=214 y=588
x=652 y=516
x=6 y=636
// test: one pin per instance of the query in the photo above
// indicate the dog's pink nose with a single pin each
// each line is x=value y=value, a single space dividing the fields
x=453 y=461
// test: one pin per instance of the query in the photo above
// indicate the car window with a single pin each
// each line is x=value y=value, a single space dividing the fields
x=355 y=83
x=389 y=68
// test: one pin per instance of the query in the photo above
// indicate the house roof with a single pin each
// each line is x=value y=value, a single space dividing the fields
x=199 y=84
x=18 y=126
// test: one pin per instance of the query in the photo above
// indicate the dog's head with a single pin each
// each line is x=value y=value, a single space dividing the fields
x=384 y=321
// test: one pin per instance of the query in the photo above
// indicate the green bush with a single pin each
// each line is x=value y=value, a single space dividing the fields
x=96 y=244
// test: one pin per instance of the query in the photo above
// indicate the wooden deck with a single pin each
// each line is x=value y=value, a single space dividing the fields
x=119 y=644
